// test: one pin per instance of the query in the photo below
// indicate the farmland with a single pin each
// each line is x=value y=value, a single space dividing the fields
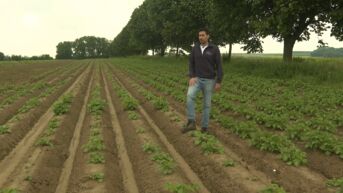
x=113 y=125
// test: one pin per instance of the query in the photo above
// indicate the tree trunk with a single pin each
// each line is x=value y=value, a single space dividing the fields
x=230 y=52
x=177 y=51
x=153 y=52
x=288 y=49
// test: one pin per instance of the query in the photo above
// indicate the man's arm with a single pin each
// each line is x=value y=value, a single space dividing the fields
x=219 y=67
x=191 y=64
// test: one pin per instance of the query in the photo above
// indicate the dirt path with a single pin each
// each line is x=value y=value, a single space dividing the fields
x=125 y=163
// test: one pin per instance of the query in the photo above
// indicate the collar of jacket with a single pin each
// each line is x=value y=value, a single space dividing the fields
x=209 y=44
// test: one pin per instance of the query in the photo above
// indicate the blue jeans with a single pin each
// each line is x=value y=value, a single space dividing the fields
x=207 y=87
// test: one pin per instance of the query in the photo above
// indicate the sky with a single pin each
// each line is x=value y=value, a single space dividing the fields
x=35 y=27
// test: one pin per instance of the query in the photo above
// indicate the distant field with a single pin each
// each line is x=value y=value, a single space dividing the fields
x=114 y=124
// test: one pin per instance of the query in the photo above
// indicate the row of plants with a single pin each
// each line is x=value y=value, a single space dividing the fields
x=310 y=128
x=95 y=146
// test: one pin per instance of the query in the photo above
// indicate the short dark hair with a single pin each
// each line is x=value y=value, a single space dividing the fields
x=204 y=29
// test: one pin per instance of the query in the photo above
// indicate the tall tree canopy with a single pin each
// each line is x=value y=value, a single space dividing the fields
x=84 y=47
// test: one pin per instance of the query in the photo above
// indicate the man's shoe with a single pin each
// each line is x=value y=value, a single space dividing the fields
x=190 y=126
x=204 y=129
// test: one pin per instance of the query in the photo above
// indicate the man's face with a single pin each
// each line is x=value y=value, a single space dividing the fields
x=203 y=37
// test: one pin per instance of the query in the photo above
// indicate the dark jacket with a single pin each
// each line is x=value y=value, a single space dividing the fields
x=206 y=65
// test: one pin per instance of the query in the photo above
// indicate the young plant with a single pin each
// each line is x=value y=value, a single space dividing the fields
x=229 y=163
x=181 y=188
x=4 y=129
x=63 y=105
x=99 y=177
x=208 y=143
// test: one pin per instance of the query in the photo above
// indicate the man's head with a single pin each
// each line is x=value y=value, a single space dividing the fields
x=203 y=35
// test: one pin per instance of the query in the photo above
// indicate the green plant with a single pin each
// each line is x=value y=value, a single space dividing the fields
x=165 y=161
x=335 y=182
x=150 y=148
x=273 y=188
x=10 y=190
x=99 y=177
x=208 y=143
x=44 y=141
x=181 y=188
x=229 y=163
x=140 y=130
x=132 y=115
x=160 y=103
x=96 y=158
x=95 y=143
x=52 y=126
x=293 y=156
x=62 y=106
x=130 y=104
x=33 y=102
x=4 y=129
x=96 y=106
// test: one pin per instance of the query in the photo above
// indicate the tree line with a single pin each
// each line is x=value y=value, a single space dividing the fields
x=160 y=24
x=4 y=57
x=84 y=47
x=326 y=51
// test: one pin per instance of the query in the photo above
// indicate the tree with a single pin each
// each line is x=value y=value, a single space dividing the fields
x=64 y=50
x=2 y=56
x=182 y=20
x=327 y=52
x=90 y=47
x=41 y=57
x=229 y=24
x=292 y=20
x=122 y=45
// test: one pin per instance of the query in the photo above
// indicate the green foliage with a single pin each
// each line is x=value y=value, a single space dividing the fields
x=273 y=188
x=336 y=182
x=99 y=177
x=4 y=129
x=30 y=104
x=208 y=143
x=160 y=103
x=150 y=148
x=229 y=163
x=181 y=188
x=96 y=106
x=95 y=143
x=10 y=190
x=96 y=158
x=130 y=104
x=140 y=130
x=84 y=47
x=165 y=161
x=132 y=115
x=62 y=106
x=327 y=52
x=52 y=126
x=44 y=141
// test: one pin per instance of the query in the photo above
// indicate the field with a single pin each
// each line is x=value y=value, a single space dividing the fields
x=113 y=126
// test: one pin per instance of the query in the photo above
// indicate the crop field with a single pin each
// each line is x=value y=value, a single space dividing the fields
x=114 y=126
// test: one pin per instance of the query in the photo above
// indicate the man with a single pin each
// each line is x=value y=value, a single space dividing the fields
x=205 y=73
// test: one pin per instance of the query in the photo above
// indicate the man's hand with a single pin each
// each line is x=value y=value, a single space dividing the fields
x=217 y=87
x=192 y=81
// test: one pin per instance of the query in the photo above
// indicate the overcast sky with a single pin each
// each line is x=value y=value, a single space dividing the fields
x=34 y=27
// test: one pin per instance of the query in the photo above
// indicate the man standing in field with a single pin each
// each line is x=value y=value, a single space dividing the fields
x=205 y=73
